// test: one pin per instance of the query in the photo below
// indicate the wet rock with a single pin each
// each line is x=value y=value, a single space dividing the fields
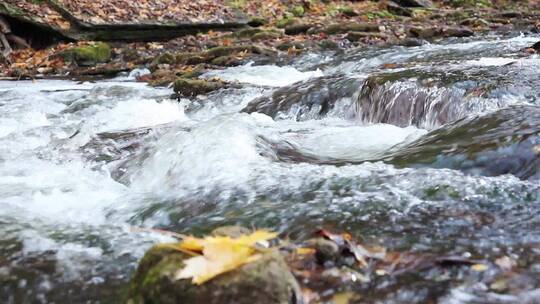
x=414 y=3
x=410 y=42
x=296 y=29
x=326 y=251
x=266 y=280
x=184 y=87
x=457 y=32
x=536 y=47
x=399 y=10
x=357 y=36
x=328 y=44
x=341 y=28
x=503 y=142
x=292 y=44
x=438 y=32
x=423 y=32
x=88 y=55
x=402 y=100
x=310 y=99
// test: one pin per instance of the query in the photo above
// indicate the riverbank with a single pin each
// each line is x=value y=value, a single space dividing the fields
x=273 y=33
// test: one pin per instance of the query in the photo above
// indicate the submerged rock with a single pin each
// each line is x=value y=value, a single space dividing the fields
x=503 y=142
x=266 y=280
x=402 y=101
x=306 y=100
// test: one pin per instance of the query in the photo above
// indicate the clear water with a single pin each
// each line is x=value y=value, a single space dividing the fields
x=83 y=167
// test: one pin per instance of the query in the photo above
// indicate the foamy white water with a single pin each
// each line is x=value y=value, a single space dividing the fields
x=264 y=75
x=82 y=164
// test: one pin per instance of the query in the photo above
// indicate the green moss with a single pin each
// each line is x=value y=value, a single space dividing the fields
x=92 y=54
x=226 y=50
x=469 y=3
x=193 y=87
x=283 y=22
x=298 y=11
x=267 y=280
x=165 y=58
x=238 y=4
x=265 y=35
x=347 y=11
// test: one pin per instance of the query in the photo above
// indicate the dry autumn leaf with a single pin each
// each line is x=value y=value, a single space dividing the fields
x=219 y=254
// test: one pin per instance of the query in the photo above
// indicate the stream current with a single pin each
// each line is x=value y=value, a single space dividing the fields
x=432 y=149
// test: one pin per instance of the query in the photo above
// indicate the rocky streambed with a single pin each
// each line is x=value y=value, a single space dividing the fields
x=427 y=150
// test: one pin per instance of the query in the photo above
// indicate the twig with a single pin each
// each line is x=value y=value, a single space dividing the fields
x=160 y=231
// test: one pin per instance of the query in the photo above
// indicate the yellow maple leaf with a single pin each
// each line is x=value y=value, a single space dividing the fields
x=219 y=254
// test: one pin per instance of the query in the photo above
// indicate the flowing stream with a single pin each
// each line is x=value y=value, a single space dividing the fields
x=431 y=149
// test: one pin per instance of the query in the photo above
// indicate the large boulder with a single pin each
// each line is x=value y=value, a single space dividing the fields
x=266 y=280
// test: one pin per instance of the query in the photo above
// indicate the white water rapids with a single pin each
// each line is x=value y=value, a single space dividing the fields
x=214 y=165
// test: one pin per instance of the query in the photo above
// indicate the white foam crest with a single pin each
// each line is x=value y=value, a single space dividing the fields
x=355 y=142
x=264 y=75
x=47 y=190
x=492 y=61
x=218 y=153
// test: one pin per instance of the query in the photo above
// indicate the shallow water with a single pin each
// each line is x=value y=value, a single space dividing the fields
x=84 y=166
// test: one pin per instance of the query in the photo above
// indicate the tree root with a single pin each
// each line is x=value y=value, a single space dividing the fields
x=5 y=29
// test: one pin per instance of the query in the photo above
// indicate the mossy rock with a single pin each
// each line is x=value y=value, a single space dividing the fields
x=266 y=35
x=266 y=280
x=89 y=55
x=357 y=36
x=344 y=27
x=247 y=32
x=296 y=29
x=226 y=61
x=190 y=58
x=328 y=44
x=347 y=11
x=194 y=73
x=165 y=58
x=284 y=22
x=192 y=87
x=291 y=44
x=475 y=22
x=220 y=51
